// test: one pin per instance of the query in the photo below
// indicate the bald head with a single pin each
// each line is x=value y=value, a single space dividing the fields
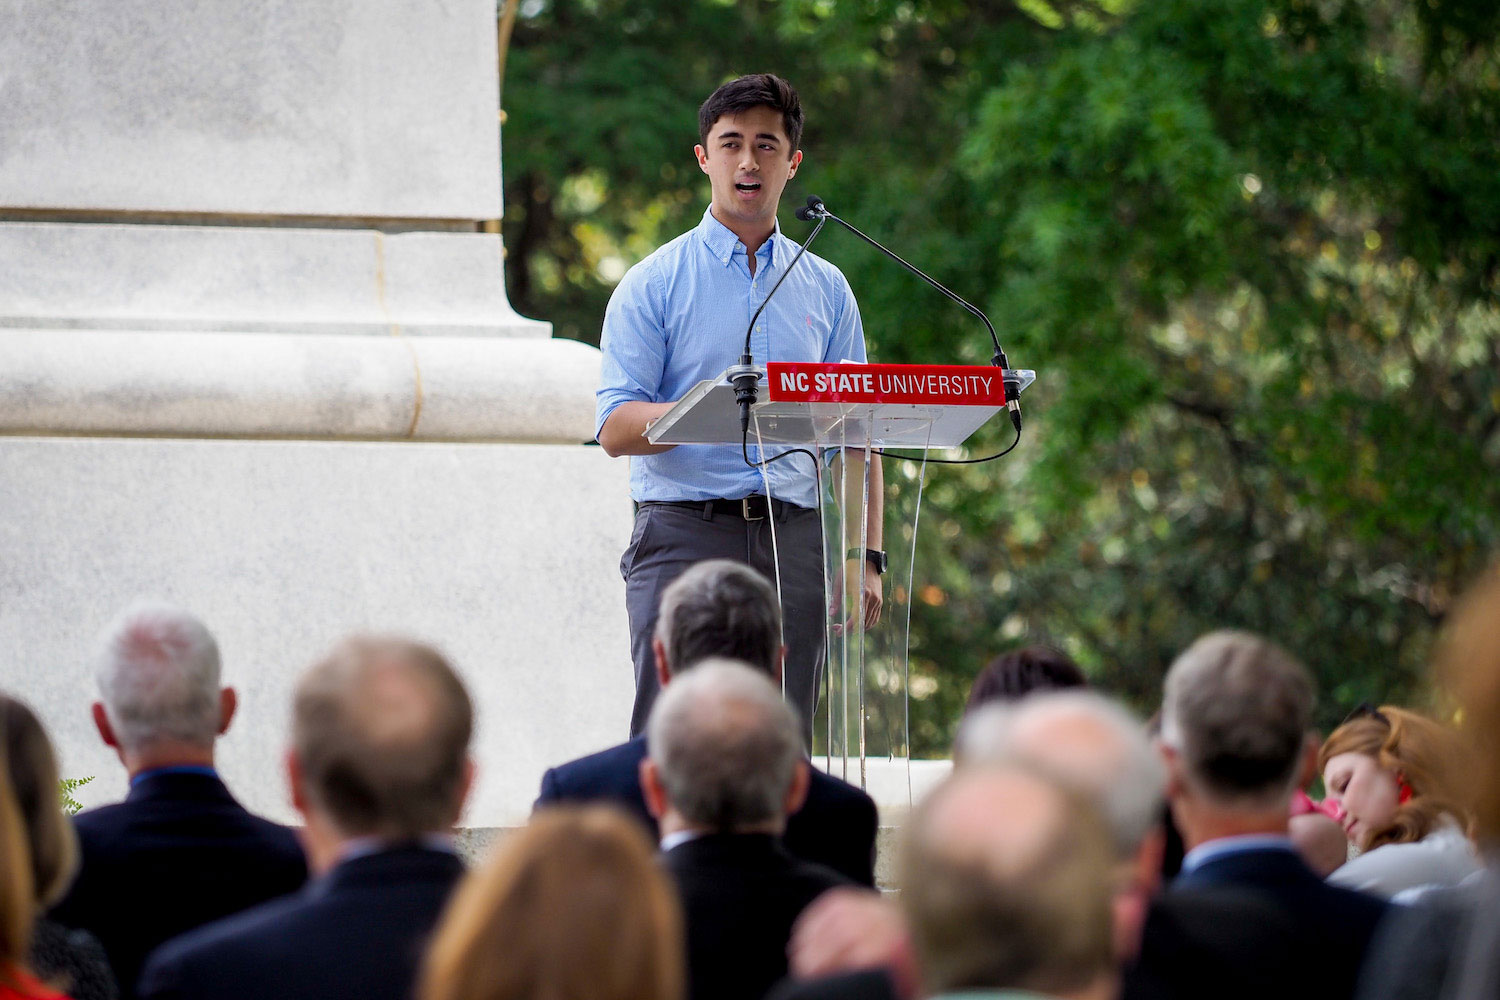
x=380 y=732
x=1086 y=740
x=1006 y=884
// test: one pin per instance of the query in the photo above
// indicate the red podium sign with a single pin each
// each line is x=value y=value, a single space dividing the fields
x=940 y=385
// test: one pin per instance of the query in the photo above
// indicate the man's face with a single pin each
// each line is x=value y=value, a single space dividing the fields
x=748 y=160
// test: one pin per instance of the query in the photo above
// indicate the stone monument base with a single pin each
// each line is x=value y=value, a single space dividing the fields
x=504 y=555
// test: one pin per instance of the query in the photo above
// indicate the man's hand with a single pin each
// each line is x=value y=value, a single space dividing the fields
x=849 y=929
x=872 y=598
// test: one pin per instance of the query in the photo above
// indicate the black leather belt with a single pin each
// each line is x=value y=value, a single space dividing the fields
x=751 y=508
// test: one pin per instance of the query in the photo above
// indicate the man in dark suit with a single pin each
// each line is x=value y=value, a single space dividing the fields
x=1236 y=721
x=725 y=769
x=179 y=852
x=725 y=608
x=1173 y=945
x=379 y=770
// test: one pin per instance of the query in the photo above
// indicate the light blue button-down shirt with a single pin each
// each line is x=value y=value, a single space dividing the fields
x=679 y=317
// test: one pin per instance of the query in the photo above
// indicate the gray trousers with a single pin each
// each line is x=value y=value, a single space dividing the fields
x=668 y=539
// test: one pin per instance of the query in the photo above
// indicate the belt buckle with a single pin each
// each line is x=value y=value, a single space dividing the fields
x=745 y=509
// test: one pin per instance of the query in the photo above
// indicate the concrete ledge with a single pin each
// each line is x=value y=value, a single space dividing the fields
x=257 y=280
x=80 y=382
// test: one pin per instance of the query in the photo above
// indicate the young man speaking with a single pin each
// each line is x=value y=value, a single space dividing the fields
x=679 y=317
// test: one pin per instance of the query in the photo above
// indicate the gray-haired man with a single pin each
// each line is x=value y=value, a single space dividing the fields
x=723 y=608
x=179 y=852
x=724 y=770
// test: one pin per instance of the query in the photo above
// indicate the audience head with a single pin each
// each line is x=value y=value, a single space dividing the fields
x=1006 y=884
x=1468 y=660
x=1319 y=841
x=158 y=675
x=31 y=770
x=724 y=751
x=1236 y=715
x=1394 y=775
x=1087 y=741
x=718 y=607
x=573 y=907
x=1020 y=672
x=380 y=737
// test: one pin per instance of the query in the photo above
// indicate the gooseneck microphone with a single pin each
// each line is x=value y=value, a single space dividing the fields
x=816 y=210
x=744 y=376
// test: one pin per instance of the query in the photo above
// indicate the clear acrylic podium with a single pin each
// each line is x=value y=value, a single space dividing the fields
x=844 y=414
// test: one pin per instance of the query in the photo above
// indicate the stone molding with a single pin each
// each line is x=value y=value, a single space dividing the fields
x=260 y=385
x=255 y=280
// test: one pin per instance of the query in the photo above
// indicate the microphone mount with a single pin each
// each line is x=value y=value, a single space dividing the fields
x=815 y=209
x=745 y=376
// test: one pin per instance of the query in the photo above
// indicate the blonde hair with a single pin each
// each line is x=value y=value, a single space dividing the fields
x=1468 y=661
x=1426 y=754
x=31 y=767
x=17 y=899
x=572 y=907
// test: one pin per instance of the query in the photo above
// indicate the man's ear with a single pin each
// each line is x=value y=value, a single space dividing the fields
x=465 y=785
x=101 y=723
x=228 y=702
x=295 y=782
x=652 y=790
x=663 y=669
x=796 y=162
x=1173 y=761
x=796 y=795
x=702 y=156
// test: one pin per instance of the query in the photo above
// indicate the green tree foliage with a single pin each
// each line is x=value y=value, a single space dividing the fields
x=1251 y=247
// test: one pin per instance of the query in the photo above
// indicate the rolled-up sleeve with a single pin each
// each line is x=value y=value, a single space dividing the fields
x=634 y=343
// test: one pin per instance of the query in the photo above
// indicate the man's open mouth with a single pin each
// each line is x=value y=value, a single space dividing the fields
x=747 y=186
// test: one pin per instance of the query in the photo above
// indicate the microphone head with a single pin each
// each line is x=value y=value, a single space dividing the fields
x=813 y=201
x=805 y=214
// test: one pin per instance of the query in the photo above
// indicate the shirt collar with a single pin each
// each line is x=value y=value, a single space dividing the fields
x=1224 y=846
x=722 y=242
x=679 y=838
x=202 y=770
x=363 y=847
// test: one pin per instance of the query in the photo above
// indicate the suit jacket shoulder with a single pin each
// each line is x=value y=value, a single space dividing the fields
x=1414 y=948
x=358 y=931
x=1330 y=928
x=741 y=893
x=836 y=827
x=611 y=775
x=185 y=853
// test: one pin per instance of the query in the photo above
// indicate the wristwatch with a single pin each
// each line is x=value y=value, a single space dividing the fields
x=875 y=557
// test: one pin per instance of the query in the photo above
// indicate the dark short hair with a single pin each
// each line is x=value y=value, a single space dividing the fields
x=381 y=730
x=720 y=607
x=1015 y=674
x=756 y=90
